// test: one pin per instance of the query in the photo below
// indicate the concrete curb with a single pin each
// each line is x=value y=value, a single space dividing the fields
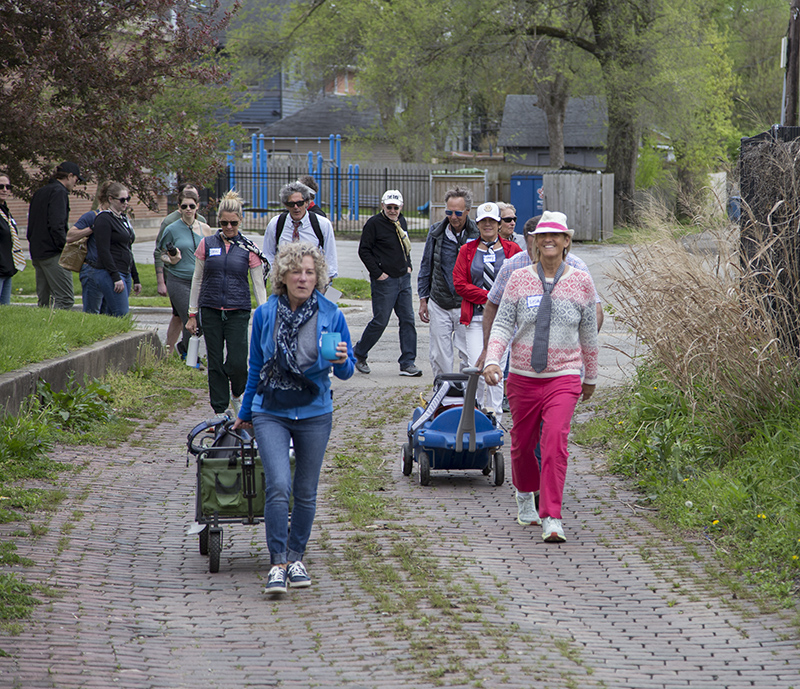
x=116 y=353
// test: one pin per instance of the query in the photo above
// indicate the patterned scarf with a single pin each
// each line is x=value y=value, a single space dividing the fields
x=16 y=245
x=241 y=241
x=282 y=384
x=402 y=235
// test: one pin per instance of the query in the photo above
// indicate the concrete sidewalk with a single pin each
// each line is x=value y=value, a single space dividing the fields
x=619 y=605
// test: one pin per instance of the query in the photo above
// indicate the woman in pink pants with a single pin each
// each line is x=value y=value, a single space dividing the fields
x=548 y=314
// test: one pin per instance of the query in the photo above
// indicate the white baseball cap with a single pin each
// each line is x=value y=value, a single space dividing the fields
x=392 y=196
x=488 y=210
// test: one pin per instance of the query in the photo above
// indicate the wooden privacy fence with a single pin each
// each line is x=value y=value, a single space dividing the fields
x=586 y=199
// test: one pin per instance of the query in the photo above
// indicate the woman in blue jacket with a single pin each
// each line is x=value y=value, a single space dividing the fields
x=288 y=399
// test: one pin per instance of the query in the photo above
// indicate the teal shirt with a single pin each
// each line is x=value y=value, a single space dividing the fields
x=181 y=235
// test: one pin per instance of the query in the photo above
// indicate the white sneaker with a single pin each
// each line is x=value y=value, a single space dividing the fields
x=526 y=510
x=552 y=531
x=236 y=404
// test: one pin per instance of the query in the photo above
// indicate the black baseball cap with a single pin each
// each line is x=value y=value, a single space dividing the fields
x=71 y=168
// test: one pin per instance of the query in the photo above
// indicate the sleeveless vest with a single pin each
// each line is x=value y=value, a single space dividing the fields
x=225 y=284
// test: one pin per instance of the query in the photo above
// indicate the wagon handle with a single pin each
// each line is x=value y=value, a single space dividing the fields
x=467 y=422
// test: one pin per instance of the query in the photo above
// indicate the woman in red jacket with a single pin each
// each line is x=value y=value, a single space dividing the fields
x=477 y=264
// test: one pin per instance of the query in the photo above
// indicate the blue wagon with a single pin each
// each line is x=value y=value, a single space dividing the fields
x=451 y=433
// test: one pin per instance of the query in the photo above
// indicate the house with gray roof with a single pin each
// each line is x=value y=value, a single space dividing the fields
x=524 y=136
x=309 y=129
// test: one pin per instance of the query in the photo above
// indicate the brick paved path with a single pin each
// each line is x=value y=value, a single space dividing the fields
x=618 y=605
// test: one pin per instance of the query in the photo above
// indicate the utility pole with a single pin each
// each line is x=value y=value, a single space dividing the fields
x=790 y=118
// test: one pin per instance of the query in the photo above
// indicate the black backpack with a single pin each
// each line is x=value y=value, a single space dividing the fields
x=314 y=225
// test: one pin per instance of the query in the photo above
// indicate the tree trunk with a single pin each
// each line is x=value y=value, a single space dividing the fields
x=552 y=96
x=623 y=153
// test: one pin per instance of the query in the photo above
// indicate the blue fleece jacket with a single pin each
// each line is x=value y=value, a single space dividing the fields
x=262 y=347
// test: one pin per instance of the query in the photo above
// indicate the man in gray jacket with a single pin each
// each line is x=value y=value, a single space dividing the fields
x=439 y=304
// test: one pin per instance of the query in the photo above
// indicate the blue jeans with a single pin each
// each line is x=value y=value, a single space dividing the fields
x=5 y=290
x=91 y=297
x=389 y=294
x=310 y=438
x=99 y=281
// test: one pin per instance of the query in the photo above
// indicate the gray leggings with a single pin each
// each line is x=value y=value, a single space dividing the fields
x=178 y=290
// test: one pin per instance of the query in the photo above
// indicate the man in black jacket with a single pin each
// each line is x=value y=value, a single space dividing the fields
x=48 y=223
x=386 y=252
x=439 y=304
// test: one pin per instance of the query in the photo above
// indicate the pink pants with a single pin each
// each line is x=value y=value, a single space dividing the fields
x=546 y=403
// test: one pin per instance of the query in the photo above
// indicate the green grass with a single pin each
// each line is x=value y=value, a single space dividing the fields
x=353 y=288
x=744 y=502
x=40 y=334
x=24 y=283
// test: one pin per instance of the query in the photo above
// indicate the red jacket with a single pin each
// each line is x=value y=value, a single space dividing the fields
x=462 y=276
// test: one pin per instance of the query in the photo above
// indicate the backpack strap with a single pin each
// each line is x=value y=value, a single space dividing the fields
x=314 y=226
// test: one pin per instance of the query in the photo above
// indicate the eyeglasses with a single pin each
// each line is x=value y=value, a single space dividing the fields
x=121 y=199
x=232 y=223
x=190 y=206
x=392 y=208
x=294 y=204
x=510 y=218
x=458 y=214
x=5 y=186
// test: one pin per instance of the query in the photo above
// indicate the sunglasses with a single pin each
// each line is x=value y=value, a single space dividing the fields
x=392 y=208
x=190 y=206
x=294 y=204
x=5 y=186
x=511 y=218
x=122 y=199
x=232 y=223
x=458 y=214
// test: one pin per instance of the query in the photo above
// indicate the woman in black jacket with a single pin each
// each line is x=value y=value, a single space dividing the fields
x=9 y=240
x=112 y=268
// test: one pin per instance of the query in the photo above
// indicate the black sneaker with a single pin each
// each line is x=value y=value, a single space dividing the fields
x=362 y=366
x=411 y=370
x=276 y=582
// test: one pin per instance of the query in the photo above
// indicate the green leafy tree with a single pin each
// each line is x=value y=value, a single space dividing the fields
x=692 y=94
x=127 y=88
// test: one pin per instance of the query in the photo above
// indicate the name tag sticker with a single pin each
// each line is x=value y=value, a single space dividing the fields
x=215 y=252
x=534 y=300
x=489 y=257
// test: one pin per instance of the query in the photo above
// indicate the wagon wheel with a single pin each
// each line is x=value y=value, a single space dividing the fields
x=214 y=549
x=424 y=468
x=487 y=469
x=498 y=469
x=204 y=541
x=408 y=460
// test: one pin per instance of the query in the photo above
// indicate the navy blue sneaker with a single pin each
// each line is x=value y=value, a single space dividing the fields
x=298 y=576
x=276 y=581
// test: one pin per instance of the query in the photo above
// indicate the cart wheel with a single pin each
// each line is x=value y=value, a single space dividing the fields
x=424 y=469
x=498 y=469
x=487 y=469
x=214 y=549
x=204 y=541
x=408 y=460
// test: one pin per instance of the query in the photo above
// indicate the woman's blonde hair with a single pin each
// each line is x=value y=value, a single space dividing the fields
x=231 y=203
x=290 y=257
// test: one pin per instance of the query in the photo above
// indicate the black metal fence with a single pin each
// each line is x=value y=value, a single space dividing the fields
x=348 y=195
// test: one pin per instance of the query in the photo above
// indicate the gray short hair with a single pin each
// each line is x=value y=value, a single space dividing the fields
x=502 y=206
x=294 y=188
x=460 y=192
x=289 y=257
